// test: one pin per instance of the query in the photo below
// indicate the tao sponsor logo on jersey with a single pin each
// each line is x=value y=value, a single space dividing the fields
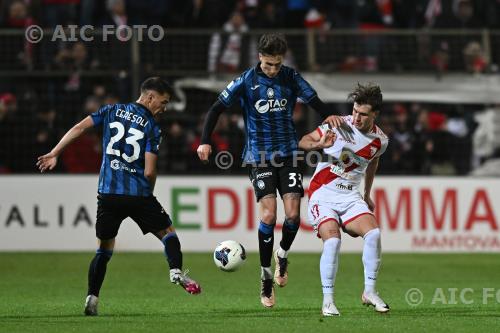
x=270 y=104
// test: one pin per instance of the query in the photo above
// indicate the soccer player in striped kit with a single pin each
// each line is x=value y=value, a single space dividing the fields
x=267 y=93
x=131 y=139
x=335 y=201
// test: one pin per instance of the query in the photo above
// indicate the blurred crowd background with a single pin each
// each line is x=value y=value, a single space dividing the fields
x=47 y=86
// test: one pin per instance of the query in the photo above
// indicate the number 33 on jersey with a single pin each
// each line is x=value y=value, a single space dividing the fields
x=129 y=131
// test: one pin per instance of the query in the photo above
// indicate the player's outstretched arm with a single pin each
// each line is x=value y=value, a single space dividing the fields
x=205 y=149
x=49 y=161
x=315 y=141
x=369 y=176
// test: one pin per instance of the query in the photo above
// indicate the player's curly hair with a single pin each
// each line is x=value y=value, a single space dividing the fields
x=367 y=94
x=272 y=44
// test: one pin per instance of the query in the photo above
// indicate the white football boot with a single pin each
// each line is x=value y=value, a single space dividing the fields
x=91 y=305
x=372 y=298
x=330 y=310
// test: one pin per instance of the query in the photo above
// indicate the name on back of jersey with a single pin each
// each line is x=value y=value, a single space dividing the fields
x=131 y=117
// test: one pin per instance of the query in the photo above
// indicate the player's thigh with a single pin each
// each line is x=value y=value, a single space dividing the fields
x=110 y=214
x=150 y=216
x=319 y=213
x=290 y=180
x=264 y=181
x=358 y=219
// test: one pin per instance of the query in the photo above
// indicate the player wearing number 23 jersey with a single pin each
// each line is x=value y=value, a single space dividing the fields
x=131 y=139
x=129 y=130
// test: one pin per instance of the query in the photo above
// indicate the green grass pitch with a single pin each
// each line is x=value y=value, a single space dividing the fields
x=44 y=292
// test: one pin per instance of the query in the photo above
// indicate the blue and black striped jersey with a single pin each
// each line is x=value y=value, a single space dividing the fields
x=268 y=105
x=129 y=131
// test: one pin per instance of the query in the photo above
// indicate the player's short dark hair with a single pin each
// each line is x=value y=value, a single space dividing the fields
x=272 y=44
x=157 y=84
x=367 y=94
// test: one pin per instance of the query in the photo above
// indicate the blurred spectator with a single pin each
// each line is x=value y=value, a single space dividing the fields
x=62 y=12
x=84 y=155
x=486 y=138
x=18 y=15
x=341 y=14
x=375 y=15
x=174 y=150
x=269 y=16
x=453 y=48
x=424 y=144
x=402 y=140
x=20 y=53
x=227 y=51
x=295 y=13
x=116 y=13
x=474 y=58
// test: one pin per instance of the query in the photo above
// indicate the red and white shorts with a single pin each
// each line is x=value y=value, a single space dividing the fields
x=340 y=212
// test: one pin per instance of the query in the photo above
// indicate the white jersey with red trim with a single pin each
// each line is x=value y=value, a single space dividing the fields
x=349 y=157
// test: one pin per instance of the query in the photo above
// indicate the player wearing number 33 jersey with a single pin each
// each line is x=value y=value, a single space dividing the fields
x=129 y=130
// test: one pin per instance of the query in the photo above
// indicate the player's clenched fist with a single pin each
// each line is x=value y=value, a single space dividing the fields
x=204 y=152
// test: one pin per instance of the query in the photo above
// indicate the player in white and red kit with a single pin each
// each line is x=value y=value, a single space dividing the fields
x=335 y=200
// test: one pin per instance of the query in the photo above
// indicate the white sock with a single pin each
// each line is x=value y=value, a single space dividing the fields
x=282 y=253
x=371 y=258
x=328 y=265
x=266 y=273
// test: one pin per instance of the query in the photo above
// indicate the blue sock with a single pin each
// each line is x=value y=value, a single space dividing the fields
x=289 y=232
x=97 y=271
x=266 y=243
x=172 y=250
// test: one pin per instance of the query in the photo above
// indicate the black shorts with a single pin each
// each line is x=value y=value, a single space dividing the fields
x=147 y=212
x=286 y=179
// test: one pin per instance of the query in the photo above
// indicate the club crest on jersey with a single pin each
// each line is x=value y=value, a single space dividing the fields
x=270 y=93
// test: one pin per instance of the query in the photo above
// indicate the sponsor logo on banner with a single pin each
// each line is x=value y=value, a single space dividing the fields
x=414 y=214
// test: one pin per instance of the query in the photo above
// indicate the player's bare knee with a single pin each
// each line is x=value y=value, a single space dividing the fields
x=268 y=216
x=329 y=230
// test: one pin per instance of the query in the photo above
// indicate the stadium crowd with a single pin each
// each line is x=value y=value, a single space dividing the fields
x=425 y=138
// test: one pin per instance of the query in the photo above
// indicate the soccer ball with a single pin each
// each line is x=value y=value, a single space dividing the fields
x=229 y=255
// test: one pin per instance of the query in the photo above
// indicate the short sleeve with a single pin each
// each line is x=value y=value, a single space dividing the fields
x=232 y=92
x=383 y=147
x=154 y=140
x=99 y=115
x=304 y=90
